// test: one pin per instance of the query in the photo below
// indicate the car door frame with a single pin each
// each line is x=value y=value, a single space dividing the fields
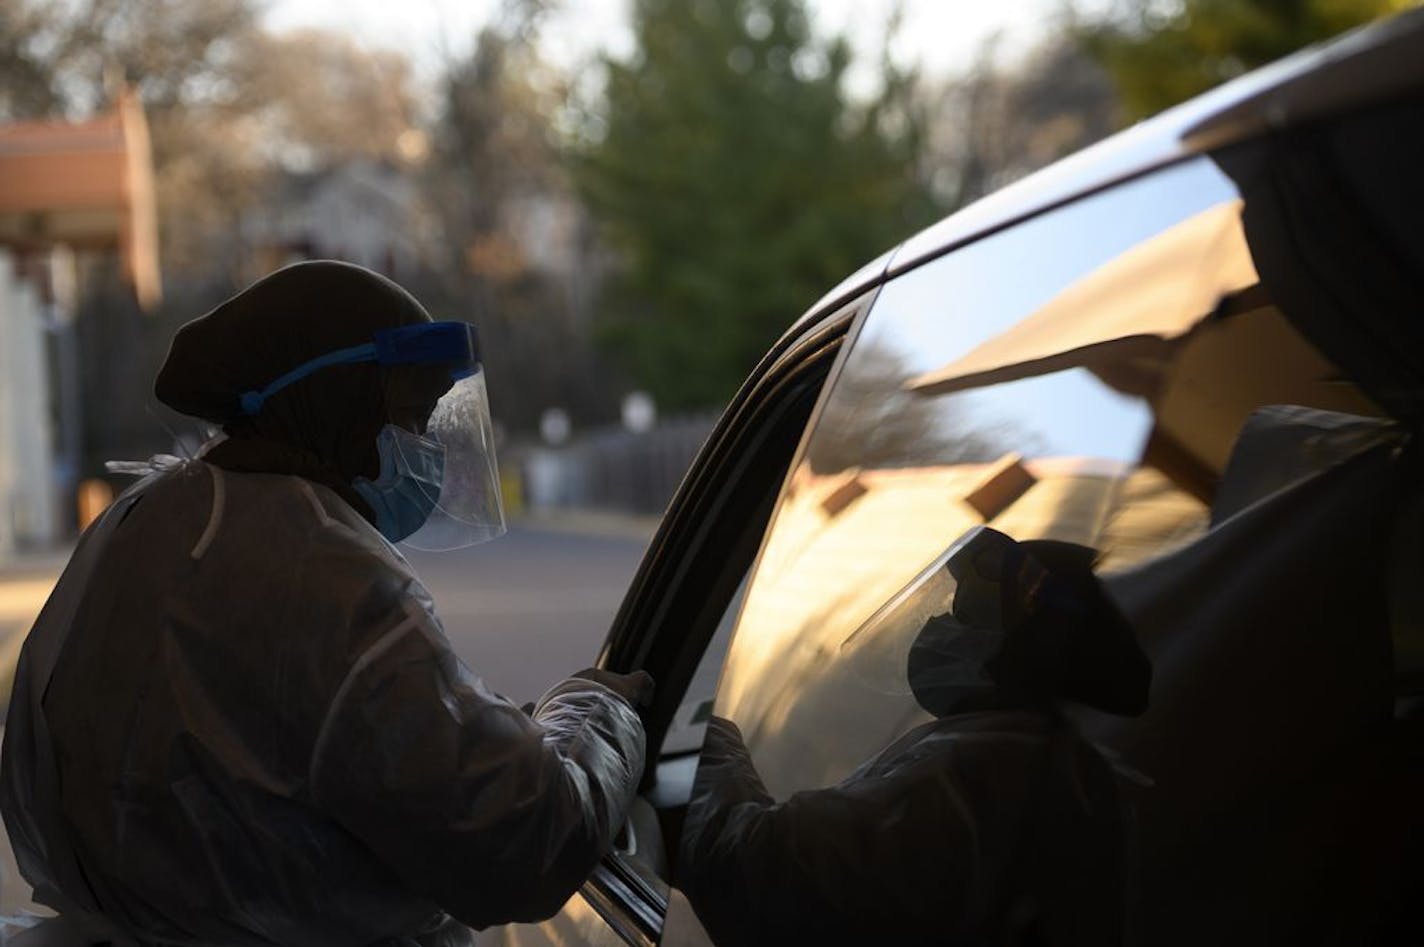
x=713 y=527
x=707 y=541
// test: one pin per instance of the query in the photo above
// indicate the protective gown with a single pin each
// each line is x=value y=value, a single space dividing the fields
x=238 y=720
x=296 y=757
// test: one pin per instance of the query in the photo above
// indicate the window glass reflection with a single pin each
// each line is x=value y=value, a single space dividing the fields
x=1079 y=378
x=896 y=470
x=940 y=312
x=1040 y=450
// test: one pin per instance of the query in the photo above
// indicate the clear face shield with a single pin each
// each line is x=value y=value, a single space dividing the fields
x=439 y=442
x=445 y=452
x=438 y=484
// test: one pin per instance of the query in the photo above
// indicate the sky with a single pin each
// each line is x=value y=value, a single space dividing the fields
x=943 y=36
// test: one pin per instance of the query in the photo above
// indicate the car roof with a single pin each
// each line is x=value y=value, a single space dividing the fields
x=1370 y=64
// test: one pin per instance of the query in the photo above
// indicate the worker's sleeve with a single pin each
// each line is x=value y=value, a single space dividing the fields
x=891 y=858
x=495 y=815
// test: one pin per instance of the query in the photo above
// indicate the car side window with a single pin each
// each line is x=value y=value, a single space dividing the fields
x=1202 y=383
x=1081 y=377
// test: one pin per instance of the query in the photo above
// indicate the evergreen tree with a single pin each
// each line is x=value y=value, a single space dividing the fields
x=737 y=181
x=1161 y=52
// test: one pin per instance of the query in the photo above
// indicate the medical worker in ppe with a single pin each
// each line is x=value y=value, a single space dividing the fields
x=238 y=720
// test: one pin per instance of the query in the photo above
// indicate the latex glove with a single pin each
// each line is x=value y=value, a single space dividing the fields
x=636 y=688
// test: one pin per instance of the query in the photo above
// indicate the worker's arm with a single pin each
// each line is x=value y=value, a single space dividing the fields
x=495 y=814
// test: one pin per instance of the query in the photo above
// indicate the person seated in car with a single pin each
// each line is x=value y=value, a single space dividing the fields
x=994 y=823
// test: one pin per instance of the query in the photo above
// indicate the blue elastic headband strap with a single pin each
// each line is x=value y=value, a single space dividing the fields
x=453 y=342
x=252 y=400
x=425 y=342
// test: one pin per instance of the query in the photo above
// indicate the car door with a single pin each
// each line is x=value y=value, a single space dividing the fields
x=1103 y=374
x=1085 y=374
x=693 y=589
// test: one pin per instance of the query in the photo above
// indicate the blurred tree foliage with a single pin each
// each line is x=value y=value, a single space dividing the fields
x=738 y=181
x=63 y=57
x=1161 y=52
x=316 y=98
x=1001 y=122
x=499 y=189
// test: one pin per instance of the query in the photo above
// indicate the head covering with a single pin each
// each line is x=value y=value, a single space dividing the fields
x=1033 y=626
x=322 y=427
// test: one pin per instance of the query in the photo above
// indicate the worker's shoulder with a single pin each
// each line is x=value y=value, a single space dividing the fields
x=265 y=500
x=286 y=514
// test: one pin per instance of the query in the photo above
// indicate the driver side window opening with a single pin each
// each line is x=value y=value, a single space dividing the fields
x=1044 y=383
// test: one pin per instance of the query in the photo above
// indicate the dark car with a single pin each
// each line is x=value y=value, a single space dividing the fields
x=1198 y=348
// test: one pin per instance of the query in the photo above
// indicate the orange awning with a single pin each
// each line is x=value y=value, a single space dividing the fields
x=84 y=184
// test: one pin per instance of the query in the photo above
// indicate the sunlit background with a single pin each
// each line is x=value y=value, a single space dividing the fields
x=631 y=198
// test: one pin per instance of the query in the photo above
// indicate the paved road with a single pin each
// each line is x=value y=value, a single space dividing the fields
x=533 y=606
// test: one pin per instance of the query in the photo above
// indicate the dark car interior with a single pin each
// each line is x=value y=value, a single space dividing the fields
x=1285 y=730
x=1271 y=705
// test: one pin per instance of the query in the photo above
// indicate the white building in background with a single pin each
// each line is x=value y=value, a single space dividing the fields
x=28 y=504
x=362 y=211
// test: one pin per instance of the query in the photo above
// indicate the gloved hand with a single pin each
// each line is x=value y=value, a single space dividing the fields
x=636 y=688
